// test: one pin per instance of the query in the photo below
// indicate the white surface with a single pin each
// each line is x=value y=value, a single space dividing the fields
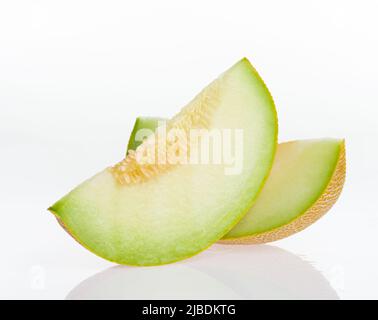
x=75 y=74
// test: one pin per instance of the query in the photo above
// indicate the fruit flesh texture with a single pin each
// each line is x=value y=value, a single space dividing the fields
x=181 y=211
x=300 y=174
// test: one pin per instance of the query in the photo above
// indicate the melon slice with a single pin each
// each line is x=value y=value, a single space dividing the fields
x=306 y=179
x=141 y=213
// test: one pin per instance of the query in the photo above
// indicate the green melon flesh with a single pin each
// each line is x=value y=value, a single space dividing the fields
x=183 y=210
x=300 y=174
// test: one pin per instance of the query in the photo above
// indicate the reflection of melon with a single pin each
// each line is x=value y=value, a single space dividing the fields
x=149 y=214
x=264 y=272
x=175 y=281
x=222 y=272
x=304 y=183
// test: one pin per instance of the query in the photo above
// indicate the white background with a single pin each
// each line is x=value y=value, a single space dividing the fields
x=75 y=74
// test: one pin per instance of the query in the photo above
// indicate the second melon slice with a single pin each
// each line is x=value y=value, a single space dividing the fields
x=306 y=180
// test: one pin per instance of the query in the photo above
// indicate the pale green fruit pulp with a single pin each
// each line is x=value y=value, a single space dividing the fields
x=180 y=212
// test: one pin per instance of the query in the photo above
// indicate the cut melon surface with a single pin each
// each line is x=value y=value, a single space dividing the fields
x=146 y=214
x=306 y=179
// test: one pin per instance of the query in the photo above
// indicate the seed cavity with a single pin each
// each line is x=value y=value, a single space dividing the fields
x=197 y=114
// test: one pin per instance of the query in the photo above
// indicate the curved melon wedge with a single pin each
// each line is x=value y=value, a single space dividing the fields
x=306 y=179
x=151 y=214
